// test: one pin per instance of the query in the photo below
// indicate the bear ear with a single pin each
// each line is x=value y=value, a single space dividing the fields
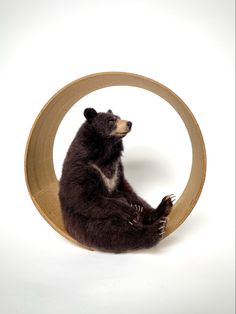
x=89 y=114
x=109 y=111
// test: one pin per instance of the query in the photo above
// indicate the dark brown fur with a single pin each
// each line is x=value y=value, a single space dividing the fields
x=109 y=221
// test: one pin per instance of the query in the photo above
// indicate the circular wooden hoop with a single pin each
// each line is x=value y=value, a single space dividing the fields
x=39 y=169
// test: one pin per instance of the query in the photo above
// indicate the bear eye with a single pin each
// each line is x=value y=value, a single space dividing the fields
x=111 y=121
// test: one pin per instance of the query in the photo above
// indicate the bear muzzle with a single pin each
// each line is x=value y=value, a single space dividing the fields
x=122 y=128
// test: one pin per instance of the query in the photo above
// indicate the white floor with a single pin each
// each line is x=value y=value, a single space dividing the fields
x=187 y=46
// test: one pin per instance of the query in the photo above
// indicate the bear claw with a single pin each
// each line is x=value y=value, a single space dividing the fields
x=137 y=207
x=169 y=198
x=162 y=227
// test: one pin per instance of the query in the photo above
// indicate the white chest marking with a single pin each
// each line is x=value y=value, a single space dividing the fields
x=110 y=183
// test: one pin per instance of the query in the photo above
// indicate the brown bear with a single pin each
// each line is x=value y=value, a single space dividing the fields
x=99 y=207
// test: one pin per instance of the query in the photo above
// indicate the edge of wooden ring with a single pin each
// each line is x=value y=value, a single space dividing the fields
x=39 y=169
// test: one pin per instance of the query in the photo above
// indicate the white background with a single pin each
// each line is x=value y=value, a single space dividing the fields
x=189 y=47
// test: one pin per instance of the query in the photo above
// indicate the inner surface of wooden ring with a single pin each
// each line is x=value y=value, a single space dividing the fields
x=39 y=169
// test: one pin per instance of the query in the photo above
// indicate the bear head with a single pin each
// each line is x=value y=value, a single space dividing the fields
x=107 y=124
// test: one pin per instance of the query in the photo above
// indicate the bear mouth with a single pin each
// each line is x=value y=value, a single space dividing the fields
x=121 y=134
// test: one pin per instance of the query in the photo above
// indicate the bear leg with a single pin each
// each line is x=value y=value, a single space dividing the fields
x=117 y=236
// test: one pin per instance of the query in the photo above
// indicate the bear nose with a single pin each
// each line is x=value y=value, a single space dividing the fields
x=129 y=124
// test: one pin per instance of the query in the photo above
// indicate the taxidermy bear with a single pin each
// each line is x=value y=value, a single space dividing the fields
x=99 y=207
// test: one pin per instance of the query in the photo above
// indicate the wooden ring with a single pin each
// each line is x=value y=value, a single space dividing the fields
x=39 y=169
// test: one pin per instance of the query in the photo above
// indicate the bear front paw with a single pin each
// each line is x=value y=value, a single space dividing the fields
x=137 y=220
